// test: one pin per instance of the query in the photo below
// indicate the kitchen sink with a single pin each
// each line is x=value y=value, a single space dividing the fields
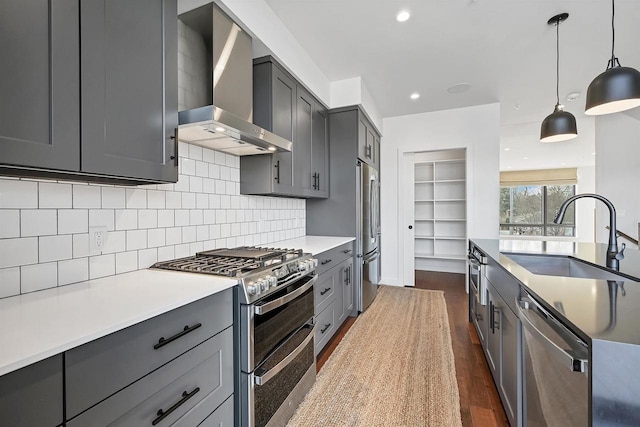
x=564 y=266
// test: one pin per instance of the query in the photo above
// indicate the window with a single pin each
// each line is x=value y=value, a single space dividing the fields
x=529 y=210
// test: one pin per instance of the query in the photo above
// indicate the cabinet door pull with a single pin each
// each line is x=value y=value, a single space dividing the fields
x=325 y=327
x=491 y=315
x=174 y=137
x=326 y=261
x=324 y=291
x=162 y=341
x=164 y=414
x=277 y=166
x=346 y=251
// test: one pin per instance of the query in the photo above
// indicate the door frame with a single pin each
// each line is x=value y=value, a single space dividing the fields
x=406 y=262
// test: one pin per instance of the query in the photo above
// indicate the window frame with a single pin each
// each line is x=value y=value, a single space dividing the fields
x=546 y=222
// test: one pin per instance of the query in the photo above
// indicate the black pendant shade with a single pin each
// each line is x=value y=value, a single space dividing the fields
x=558 y=126
x=617 y=89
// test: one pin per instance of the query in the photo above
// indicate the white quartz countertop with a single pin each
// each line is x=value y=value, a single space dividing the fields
x=42 y=324
x=313 y=244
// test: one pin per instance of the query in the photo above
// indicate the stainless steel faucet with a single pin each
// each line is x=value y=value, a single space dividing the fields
x=613 y=255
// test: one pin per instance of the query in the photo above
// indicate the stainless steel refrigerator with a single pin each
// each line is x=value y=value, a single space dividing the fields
x=369 y=236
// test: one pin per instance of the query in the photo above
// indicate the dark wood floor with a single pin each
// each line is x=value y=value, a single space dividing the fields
x=479 y=401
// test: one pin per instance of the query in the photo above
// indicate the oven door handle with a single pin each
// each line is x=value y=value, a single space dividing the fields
x=264 y=378
x=263 y=309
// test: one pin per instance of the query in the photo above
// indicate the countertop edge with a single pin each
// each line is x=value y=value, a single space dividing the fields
x=314 y=244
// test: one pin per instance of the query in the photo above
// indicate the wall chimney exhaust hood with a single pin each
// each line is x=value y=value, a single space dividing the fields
x=215 y=86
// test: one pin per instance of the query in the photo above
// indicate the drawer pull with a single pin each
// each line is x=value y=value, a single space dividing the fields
x=162 y=341
x=326 y=261
x=346 y=251
x=325 y=327
x=164 y=414
x=324 y=291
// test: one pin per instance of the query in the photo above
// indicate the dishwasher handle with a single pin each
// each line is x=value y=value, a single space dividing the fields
x=574 y=364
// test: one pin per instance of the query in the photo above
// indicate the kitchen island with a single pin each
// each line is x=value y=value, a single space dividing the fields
x=603 y=314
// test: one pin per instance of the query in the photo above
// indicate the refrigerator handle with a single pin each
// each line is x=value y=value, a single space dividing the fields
x=372 y=230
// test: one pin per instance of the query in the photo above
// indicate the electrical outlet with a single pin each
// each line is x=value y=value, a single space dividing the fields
x=97 y=239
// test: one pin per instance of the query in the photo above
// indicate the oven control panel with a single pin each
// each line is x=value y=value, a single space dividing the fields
x=262 y=284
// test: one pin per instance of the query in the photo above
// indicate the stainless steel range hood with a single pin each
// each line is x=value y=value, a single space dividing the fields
x=215 y=86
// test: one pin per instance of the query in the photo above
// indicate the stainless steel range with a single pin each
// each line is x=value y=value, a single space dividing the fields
x=276 y=327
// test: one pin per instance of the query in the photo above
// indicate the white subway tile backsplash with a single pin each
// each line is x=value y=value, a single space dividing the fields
x=54 y=248
x=147 y=257
x=156 y=237
x=126 y=261
x=173 y=200
x=80 y=245
x=86 y=196
x=9 y=223
x=156 y=199
x=113 y=198
x=181 y=217
x=18 y=194
x=73 y=271
x=102 y=266
x=147 y=218
x=174 y=236
x=44 y=224
x=38 y=222
x=54 y=195
x=126 y=219
x=102 y=218
x=166 y=253
x=37 y=277
x=115 y=242
x=71 y=221
x=9 y=282
x=136 y=239
x=136 y=198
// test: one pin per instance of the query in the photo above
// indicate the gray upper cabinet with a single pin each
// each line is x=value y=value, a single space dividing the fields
x=368 y=142
x=86 y=93
x=282 y=106
x=129 y=97
x=39 y=106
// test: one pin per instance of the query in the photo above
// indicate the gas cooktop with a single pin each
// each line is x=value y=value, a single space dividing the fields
x=259 y=270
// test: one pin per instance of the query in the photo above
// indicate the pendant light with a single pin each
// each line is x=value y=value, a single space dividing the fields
x=559 y=125
x=618 y=88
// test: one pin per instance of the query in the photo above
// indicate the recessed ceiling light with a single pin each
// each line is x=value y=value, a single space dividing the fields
x=220 y=129
x=403 y=16
x=459 y=88
x=415 y=95
x=507 y=149
x=563 y=164
x=573 y=96
x=594 y=153
x=508 y=167
x=525 y=158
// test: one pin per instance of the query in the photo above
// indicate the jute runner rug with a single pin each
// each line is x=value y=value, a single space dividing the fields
x=394 y=367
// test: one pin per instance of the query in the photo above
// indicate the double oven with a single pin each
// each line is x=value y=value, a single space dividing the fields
x=477 y=264
x=274 y=334
x=277 y=351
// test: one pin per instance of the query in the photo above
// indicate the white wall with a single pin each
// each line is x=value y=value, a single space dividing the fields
x=475 y=128
x=44 y=224
x=618 y=172
x=585 y=212
x=353 y=91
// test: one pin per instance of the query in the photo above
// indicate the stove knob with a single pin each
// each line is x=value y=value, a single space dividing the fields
x=315 y=262
x=264 y=285
x=252 y=289
x=273 y=282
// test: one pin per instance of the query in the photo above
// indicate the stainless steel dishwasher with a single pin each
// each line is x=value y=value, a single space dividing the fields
x=555 y=370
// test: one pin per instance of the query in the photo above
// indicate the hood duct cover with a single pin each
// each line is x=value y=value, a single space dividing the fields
x=215 y=86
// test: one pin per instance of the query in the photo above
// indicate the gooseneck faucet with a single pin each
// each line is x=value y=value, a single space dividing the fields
x=613 y=255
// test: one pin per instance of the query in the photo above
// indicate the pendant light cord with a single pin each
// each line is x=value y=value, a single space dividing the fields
x=558 y=62
x=613 y=61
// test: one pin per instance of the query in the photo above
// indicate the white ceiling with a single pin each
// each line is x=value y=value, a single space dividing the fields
x=503 y=48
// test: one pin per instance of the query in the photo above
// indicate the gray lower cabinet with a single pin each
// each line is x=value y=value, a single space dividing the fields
x=282 y=106
x=85 y=92
x=32 y=396
x=176 y=366
x=334 y=292
x=503 y=352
